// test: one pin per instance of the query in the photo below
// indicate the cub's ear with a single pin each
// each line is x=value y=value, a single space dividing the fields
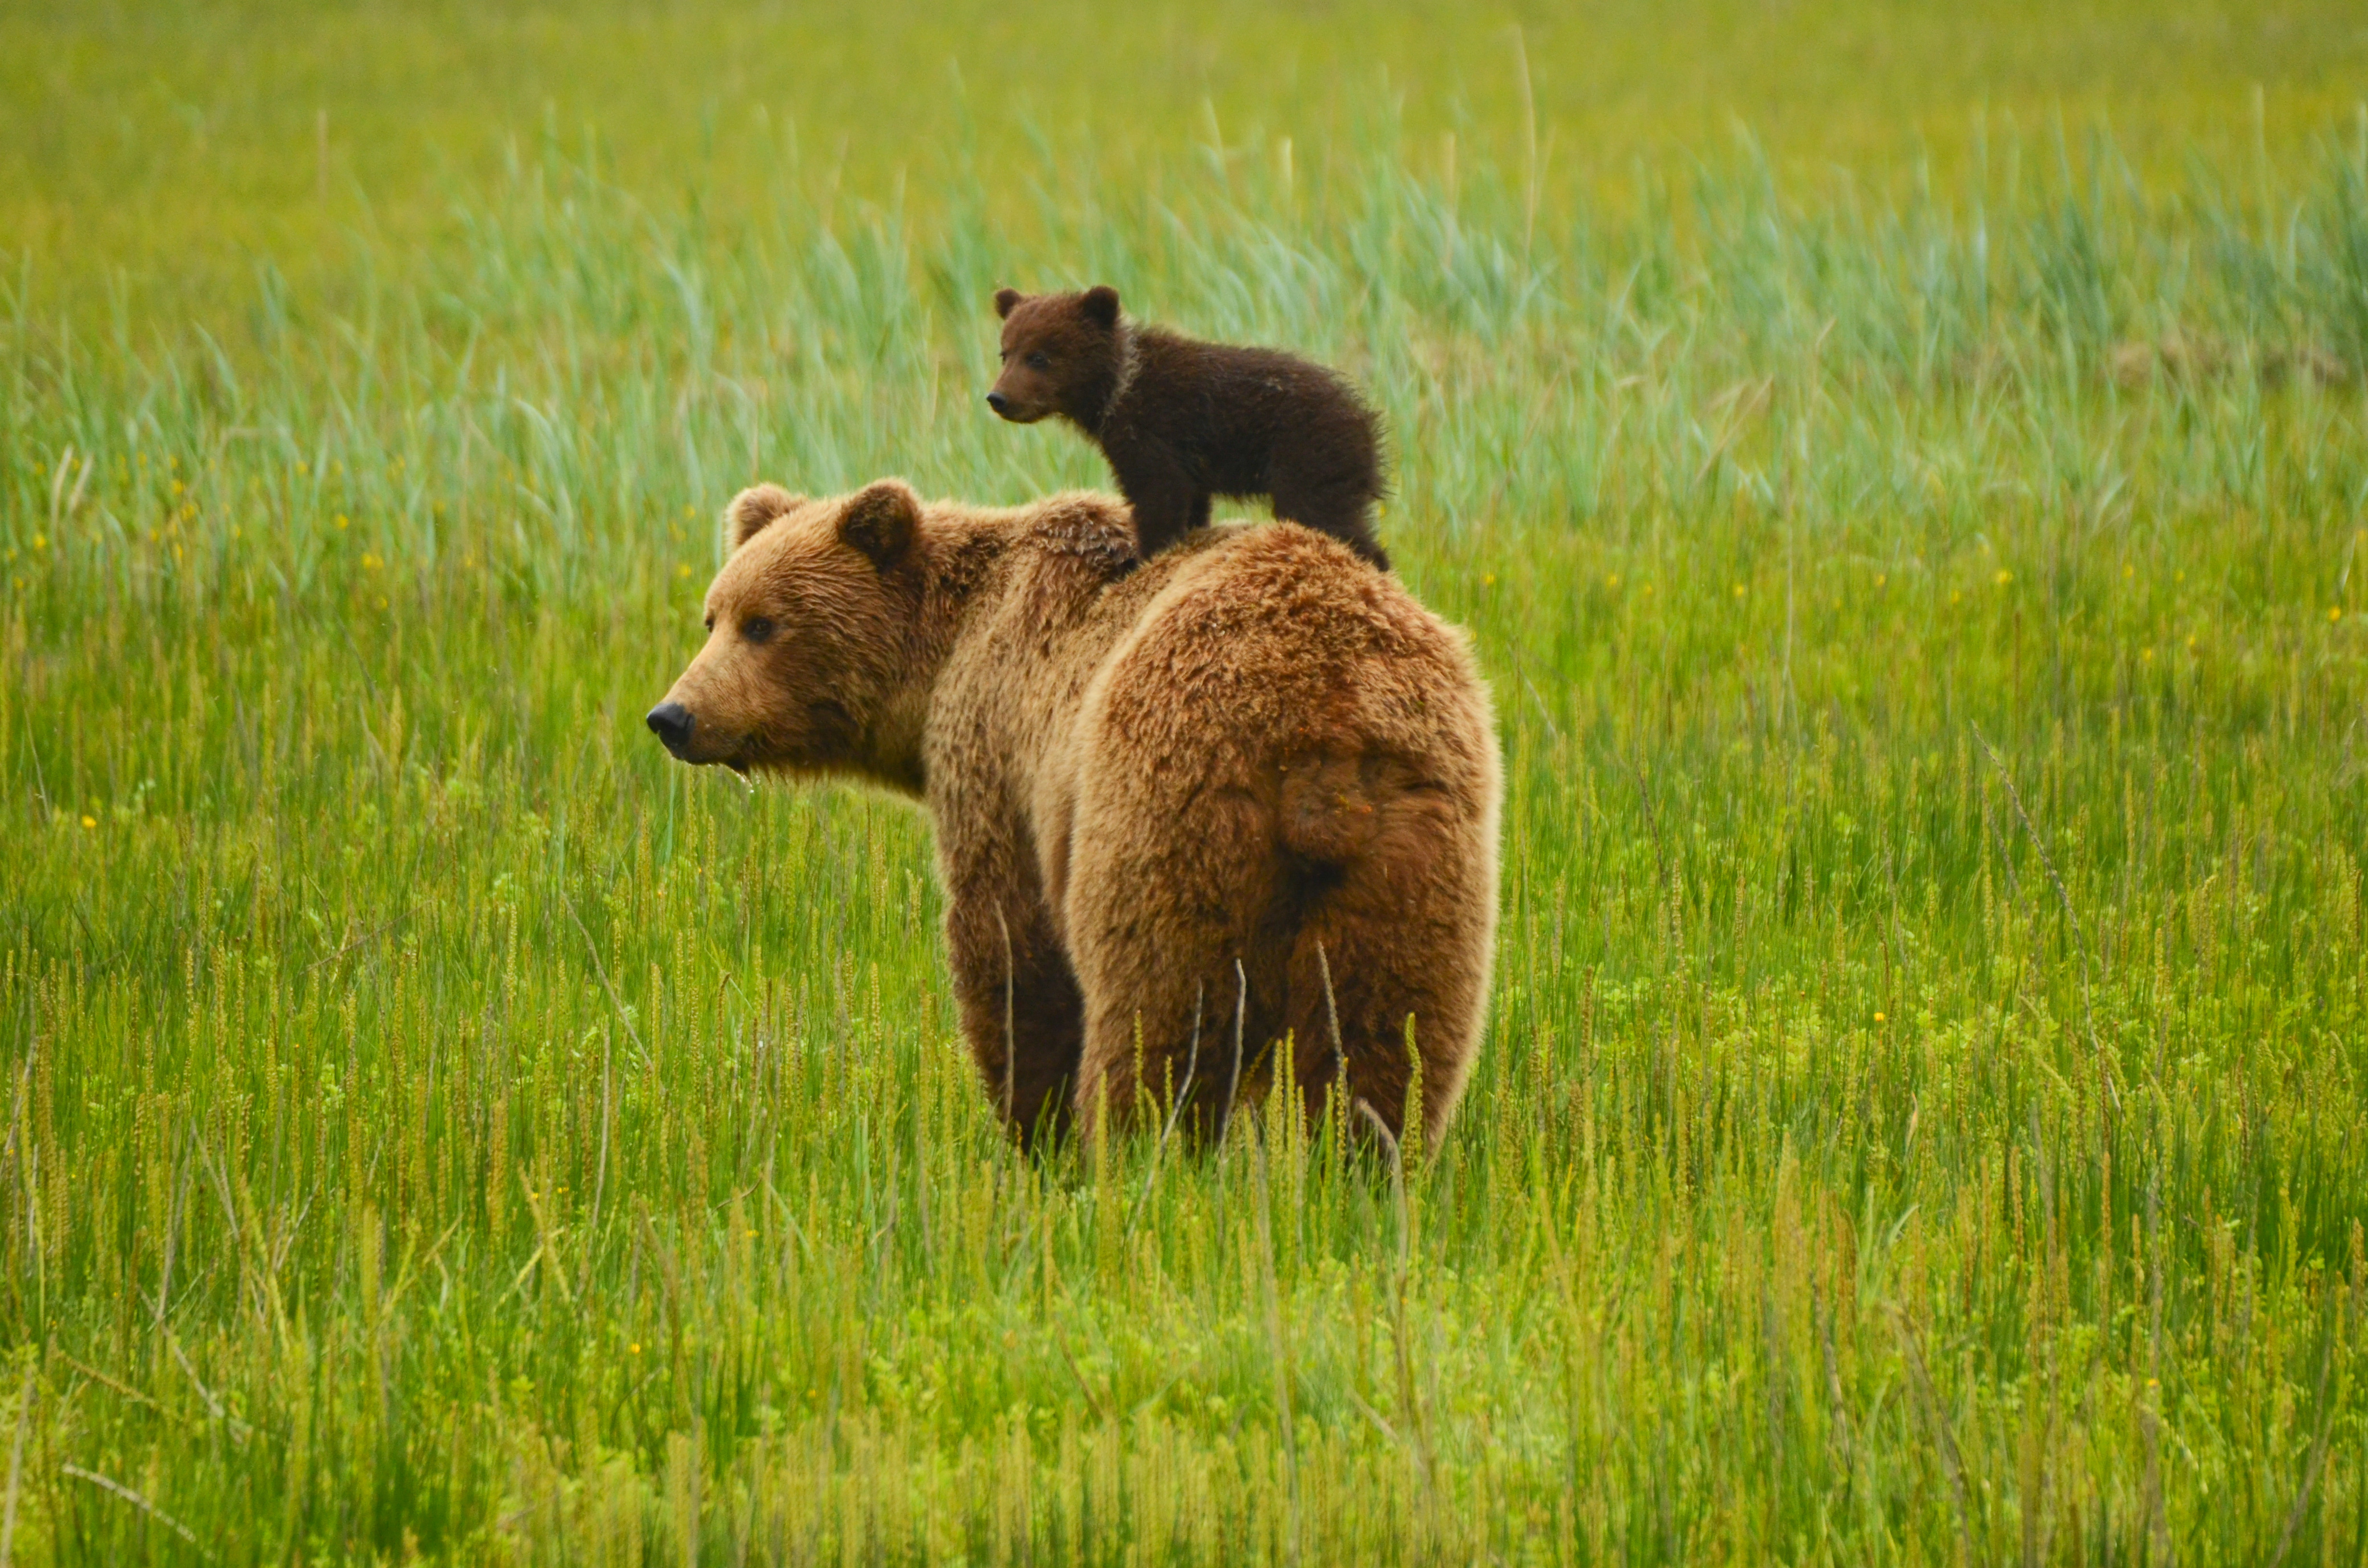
x=881 y=520
x=1004 y=300
x=753 y=508
x=1101 y=304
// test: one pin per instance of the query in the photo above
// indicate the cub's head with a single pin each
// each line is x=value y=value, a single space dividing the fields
x=1060 y=351
x=812 y=625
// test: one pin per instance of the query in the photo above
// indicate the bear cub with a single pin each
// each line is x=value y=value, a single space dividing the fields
x=1182 y=420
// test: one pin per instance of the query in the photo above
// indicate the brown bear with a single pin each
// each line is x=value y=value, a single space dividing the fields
x=1244 y=794
x=1182 y=420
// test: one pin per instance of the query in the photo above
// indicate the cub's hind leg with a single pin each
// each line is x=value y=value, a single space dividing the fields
x=1341 y=508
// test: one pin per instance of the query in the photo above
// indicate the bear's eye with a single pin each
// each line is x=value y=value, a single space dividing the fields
x=1038 y=361
x=757 y=629
x=710 y=620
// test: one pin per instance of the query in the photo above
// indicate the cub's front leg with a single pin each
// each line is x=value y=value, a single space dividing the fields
x=1165 y=501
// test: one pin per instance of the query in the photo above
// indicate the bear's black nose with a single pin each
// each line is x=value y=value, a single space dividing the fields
x=671 y=723
x=1000 y=403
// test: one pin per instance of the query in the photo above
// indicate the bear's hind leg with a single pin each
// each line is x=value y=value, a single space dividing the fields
x=1366 y=961
x=1020 y=1011
x=1388 y=974
x=1173 y=967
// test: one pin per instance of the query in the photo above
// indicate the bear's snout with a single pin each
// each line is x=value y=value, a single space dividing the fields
x=671 y=723
x=1000 y=403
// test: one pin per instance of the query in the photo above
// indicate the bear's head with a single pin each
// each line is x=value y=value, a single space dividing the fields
x=1061 y=355
x=813 y=648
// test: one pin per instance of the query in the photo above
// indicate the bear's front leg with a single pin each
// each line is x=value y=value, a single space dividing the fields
x=1021 y=1013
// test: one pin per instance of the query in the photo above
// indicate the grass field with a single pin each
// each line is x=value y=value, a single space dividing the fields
x=1906 y=475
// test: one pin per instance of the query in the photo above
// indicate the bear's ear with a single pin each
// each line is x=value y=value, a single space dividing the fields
x=881 y=520
x=1101 y=304
x=753 y=508
x=1004 y=299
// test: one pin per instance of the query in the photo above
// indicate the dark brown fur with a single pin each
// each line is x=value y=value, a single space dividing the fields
x=1182 y=422
x=1240 y=791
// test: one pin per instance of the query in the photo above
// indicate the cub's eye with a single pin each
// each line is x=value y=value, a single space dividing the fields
x=1037 y=361
x=757 y=629
x=710 y=620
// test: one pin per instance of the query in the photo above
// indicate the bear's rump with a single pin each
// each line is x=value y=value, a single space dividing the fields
x=1331 y=807
x=1276 y=802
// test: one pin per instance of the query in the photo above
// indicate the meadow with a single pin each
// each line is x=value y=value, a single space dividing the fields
x=1904 y=474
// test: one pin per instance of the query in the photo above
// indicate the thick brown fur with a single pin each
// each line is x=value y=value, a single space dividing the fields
x=1169 y=802
x=1182 y=422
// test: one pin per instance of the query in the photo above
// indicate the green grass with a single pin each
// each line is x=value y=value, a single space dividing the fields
x=1917 y=550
